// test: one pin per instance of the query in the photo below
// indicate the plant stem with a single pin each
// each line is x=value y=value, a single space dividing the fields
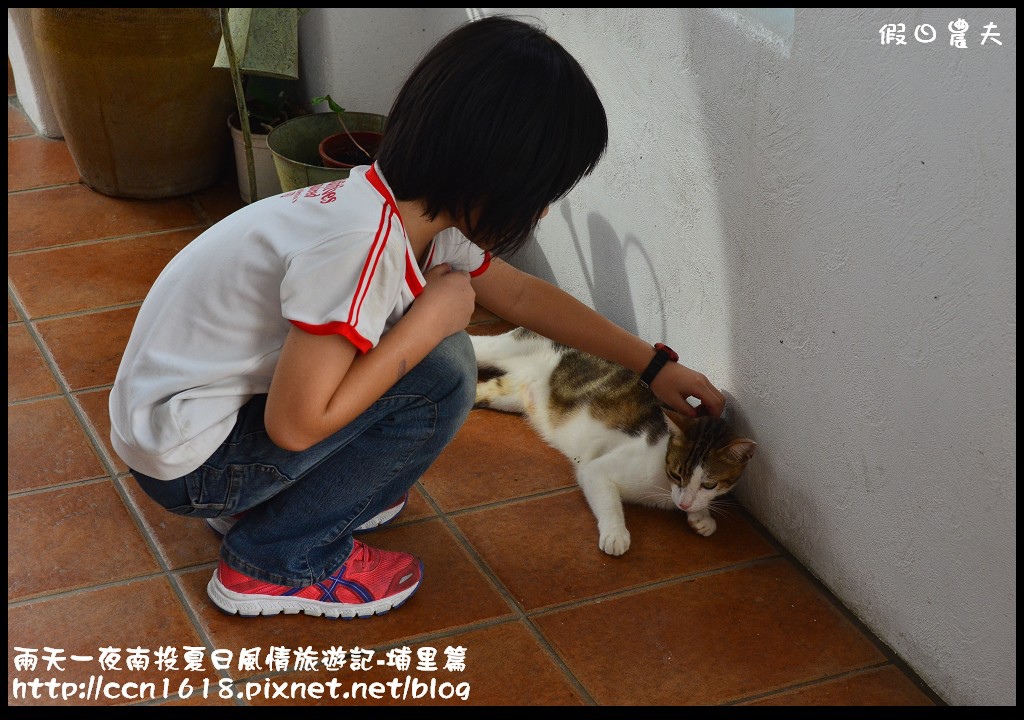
x=243 y=110
x=352 y=138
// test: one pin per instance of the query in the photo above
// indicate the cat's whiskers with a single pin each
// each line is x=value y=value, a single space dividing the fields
x=656 y=494
x=723 y=507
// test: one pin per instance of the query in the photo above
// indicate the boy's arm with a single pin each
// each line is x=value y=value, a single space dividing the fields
x=321 y=383
x=525 y=300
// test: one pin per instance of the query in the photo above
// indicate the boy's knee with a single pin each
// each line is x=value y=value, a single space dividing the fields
x=453 y=363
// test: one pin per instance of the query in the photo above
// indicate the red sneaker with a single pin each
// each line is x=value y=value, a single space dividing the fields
x=370 y=582
x=226 y=522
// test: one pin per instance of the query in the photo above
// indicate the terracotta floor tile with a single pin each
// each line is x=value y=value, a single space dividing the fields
x=495 y=456
x=220 y=200
x=28 y=375
x=94 y=405
x=454 y=594
x=878 y=686
x=749 y=631
x=417 y=508
x=143 y=614
x=83 y=277
x=32 y=223
x=35 y=162
x=88 y=348
x=12 y=312
x=46 y=445
x=70 y=538
x=504 y=665
x=17 y=123
x=182 y=541
x=546 y=550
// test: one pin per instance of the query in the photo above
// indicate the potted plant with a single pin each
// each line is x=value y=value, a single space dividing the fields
x=268 y=104
x=260 y=48
x=295 y=145
x=350 y=147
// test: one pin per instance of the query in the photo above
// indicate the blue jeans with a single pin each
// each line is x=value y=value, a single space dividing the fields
x=303 y=506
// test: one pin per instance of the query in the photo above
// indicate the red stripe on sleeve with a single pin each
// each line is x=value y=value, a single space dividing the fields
x=372 y=260
x=336 y=328
x=483 y=265
x=410 y=273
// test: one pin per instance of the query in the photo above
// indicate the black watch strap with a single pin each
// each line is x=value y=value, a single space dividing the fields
x=662 y=354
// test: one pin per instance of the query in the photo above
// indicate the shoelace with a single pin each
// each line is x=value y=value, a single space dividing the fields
x=360 y=557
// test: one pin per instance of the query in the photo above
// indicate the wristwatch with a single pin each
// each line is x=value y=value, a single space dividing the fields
x=662 y=354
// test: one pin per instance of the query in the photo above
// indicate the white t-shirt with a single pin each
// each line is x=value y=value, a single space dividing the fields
x=329 y=259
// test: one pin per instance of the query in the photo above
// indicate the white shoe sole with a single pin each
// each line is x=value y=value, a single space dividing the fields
x=381 y=518
x=255 y=605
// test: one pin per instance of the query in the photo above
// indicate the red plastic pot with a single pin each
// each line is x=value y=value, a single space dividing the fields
x=339 y=151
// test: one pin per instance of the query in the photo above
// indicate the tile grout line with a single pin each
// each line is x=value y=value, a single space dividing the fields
x=28 y=492
x=808 y=683
x=103 y=240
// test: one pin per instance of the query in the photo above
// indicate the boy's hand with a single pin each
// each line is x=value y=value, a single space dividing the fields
x=447 y=301
x=675 y=382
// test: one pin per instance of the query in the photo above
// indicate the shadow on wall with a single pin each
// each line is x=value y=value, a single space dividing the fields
x=757 y=254
x=603 y=269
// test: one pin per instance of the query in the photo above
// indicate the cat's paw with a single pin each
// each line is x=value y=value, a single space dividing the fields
x=703 y=524
x=615 y=542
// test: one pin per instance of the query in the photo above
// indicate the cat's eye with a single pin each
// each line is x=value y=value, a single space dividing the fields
x=709 y=485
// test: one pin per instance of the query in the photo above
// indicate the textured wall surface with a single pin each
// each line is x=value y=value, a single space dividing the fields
x=362 y=55
x=826 y=226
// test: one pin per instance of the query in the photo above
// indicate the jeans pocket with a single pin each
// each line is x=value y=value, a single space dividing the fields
x=211 y=491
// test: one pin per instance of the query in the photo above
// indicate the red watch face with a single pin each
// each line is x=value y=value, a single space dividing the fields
x=671 y=353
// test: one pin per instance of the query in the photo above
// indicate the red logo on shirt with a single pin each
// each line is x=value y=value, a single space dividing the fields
x=330 y=193
x=327 y=193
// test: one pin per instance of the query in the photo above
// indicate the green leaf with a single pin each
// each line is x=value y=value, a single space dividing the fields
x=335 y=107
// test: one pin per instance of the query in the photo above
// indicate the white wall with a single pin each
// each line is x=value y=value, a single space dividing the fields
x=28 y=74
x=361 y=55
x=825 y=226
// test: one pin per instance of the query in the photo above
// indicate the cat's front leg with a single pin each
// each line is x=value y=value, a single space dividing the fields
x=606 y=503
x=702 y=522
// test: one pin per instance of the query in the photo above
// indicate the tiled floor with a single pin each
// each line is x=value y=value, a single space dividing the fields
x=513 y=572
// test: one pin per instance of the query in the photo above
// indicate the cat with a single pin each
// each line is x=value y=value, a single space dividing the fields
x=625 y=445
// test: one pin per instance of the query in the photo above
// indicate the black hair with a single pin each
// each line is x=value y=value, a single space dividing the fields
x=497 y=118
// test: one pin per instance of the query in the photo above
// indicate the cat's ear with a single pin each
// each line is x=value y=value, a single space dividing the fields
x=677 y=420
x=739 y=451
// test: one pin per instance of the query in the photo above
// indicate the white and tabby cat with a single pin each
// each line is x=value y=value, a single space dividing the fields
x=625 y=445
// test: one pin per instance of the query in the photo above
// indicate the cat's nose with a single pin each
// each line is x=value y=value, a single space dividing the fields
x=683 y=505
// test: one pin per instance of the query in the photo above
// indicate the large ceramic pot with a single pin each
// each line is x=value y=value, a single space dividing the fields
x=137 y=97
